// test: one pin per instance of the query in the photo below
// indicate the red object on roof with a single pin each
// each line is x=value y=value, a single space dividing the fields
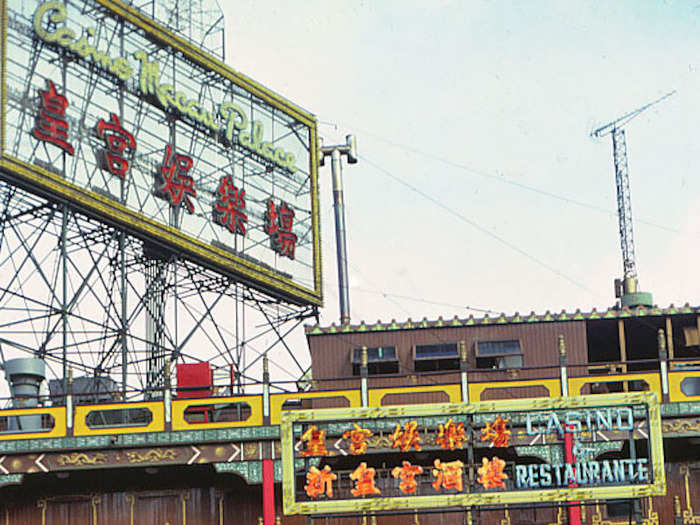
x=195 y=380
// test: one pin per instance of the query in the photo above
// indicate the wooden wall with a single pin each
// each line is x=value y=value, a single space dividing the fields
x=331 y=353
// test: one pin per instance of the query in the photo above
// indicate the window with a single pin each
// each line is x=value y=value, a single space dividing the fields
x=437 y=357
x=499 y=355
x=380 y=360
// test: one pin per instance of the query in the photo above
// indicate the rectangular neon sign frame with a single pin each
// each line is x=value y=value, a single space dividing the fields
x=649 y=399
x=42 y=181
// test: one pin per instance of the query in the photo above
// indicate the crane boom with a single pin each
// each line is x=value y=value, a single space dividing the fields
x=624 y=204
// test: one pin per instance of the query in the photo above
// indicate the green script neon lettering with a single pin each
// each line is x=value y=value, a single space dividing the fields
x=233 y=117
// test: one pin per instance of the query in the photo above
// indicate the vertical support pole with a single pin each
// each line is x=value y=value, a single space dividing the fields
x=463 y=371
x=669 y=338
x=168 y=396
x=266 y=391
x=364 y=372
x=350 y=150
x=64 y=292
x=341 y=246
x=563 y=374
x=268 y=467
x=623 y=350
x=573 y=510
x=663 y=365
x=69 y=402
x=268 y=475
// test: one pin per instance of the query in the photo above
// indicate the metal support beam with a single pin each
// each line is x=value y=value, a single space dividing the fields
x=335 y=152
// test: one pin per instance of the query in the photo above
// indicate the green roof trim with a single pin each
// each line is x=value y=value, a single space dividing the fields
x=503 y=319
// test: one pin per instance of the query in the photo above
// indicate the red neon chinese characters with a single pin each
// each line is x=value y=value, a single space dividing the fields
x=315 y=440
x=407 y=438
x=119 y=143
x=278 y=225
x=496 y=432
x=357 y=437
x=51 y=125
x=491 y=473
x=175 y=183
x=364 y=481
x=451 y=435
x=448 y=475
x=319 y=481
x=229 y=209
x=407 y=474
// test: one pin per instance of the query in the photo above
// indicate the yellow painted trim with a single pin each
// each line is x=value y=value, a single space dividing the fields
x=277 y=400
x=652 y=378
x=674 y=385
x=376 y=395
x=152 y=28
x=291 y=506
x=315 y=210
x=157 y=424
x=59 y=426
x=180 y=405
x=551 y=385
x=117 y=212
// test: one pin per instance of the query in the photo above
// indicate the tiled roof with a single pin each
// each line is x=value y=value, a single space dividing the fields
x=516 y=318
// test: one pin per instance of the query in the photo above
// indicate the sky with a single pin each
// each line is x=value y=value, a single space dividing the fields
x=478 y=184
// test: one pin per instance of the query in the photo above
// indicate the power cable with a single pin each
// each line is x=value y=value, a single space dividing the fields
x=477 y=226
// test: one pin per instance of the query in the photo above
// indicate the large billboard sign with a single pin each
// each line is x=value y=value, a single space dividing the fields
x=106 y=109
x=458 y=455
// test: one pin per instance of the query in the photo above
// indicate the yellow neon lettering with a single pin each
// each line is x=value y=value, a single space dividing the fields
x=122 y=68
x=192 y=110
x=64 y=36
x=180 y=101
x=58 y=14
x=164 y=94
x=101 y=59
x=81 y=47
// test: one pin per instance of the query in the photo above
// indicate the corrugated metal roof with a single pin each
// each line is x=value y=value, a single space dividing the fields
x=516 y=318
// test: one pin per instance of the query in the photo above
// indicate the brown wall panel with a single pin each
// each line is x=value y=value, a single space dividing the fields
x=331 y=353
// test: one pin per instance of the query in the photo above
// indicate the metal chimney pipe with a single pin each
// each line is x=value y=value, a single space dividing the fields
x=335 y=152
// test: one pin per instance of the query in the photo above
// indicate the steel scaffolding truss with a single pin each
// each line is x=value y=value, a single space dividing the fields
x=87 y=296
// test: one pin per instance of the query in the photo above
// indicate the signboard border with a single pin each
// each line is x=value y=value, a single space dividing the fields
x=650 y=399
x=37 y=179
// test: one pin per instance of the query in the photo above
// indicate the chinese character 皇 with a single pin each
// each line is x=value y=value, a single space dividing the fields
x=496 y=432
x=448 y=475
x=175 y=182
x=450 y=435
x=319 y=481
x=315 y=440
x=364 y=481
x=491 y=473
x=407 y=438
x=357 y=437
x=278 y=225
x=229 y=209
x=407 y=474
x=119 y=144
x=51 y=125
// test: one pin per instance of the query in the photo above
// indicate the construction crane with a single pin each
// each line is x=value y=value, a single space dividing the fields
x=626 y=289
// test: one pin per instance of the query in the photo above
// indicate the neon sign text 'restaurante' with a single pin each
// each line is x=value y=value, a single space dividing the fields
x=229 y=119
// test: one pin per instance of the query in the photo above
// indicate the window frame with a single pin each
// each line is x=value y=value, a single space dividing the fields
x=380 y=365
x=498 y=358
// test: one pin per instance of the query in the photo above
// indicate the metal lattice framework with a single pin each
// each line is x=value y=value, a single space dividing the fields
x=103 y=298
x=88 y=296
